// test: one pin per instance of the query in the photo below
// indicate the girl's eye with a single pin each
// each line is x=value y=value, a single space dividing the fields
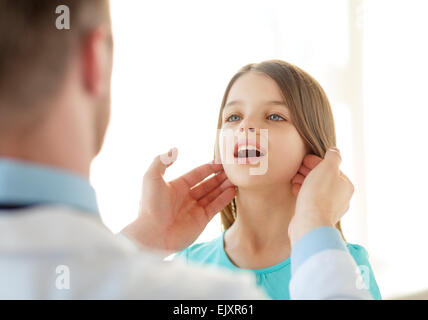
x=233 y=117
x=275 y=117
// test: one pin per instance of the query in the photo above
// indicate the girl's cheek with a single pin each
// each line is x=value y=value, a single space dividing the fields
x=286 y=154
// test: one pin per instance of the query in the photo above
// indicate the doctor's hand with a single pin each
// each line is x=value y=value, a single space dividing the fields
x=173 y=214
x=323 y=194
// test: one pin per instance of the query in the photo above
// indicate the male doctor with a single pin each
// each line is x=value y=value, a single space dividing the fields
x=54 y=112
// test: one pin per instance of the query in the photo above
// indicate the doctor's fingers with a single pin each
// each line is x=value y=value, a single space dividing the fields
x=295 y=188
x=217 y=200
x=304 y=170
x=347 y=183
x=198 y=174
x=214 y=194
x=160 y=163
x=205 y=187
x=298 y=178
x=310 y=161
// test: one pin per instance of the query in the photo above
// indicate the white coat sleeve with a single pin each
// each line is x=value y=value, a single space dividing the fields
x=322 y=268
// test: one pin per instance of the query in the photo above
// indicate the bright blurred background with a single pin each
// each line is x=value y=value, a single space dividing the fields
x=173 y=60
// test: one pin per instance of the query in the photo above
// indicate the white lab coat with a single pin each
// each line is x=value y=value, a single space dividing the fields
x=60 y=253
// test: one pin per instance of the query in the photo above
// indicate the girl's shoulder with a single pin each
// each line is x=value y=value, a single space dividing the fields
x=357 y=251
x=361 y=257
x=203 y=251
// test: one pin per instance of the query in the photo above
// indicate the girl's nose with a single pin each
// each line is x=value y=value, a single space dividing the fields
x=249 y=129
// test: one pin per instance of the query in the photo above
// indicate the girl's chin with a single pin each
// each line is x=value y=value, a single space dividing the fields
x=248 y=160
x=244 y=180
x=241 y=177
x=262 y=188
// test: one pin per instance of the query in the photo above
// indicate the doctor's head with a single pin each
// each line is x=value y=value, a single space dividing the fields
x=55 y=70
x=272 y=114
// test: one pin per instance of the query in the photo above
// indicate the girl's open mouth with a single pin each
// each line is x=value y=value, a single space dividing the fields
x=247 y=152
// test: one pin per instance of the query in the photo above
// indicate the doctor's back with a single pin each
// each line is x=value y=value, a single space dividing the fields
x=55 y=73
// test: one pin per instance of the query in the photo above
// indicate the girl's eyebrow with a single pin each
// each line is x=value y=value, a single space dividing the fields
x=274 y=102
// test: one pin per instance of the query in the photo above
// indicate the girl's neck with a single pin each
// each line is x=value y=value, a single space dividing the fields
x=262 y=220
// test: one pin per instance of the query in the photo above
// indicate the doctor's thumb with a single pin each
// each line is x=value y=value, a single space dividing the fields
x=333 y=158
x=161 y=162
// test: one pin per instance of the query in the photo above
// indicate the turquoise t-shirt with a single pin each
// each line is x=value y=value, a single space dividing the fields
x=275 y=279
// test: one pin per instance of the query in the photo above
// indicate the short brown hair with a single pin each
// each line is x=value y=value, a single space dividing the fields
x=33 y=52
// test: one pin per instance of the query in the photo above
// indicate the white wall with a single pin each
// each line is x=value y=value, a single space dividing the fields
x=395 y=87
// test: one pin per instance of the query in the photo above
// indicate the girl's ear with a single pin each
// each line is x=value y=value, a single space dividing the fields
x=308 y=149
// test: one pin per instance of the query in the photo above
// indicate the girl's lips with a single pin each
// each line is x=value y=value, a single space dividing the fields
x=247 y=142
x=249 y=160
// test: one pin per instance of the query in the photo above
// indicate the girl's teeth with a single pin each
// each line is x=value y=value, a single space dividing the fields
x=248 y=153
x=243 y=147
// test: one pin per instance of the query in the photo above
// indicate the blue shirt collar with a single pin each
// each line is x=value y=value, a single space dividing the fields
x=26 y=183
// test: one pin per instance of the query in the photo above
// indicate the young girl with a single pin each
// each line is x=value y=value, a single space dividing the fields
x=292 y=106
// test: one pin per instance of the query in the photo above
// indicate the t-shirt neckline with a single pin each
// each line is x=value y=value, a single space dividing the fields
x=270 y=269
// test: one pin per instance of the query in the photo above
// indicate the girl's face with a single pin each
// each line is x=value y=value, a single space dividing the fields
x=254 y=103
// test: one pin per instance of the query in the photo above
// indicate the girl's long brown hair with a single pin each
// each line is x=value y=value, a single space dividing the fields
x=309 y=107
